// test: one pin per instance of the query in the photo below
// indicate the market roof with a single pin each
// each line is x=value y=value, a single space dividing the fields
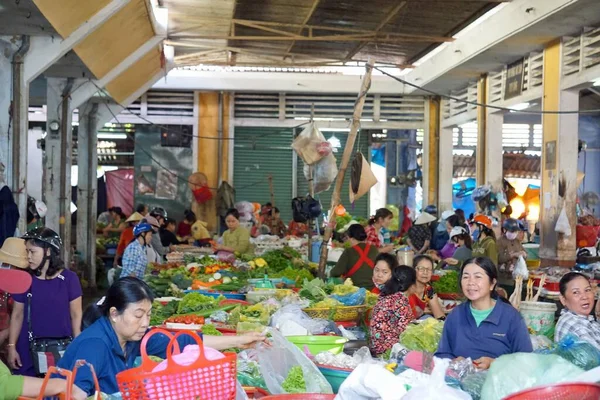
x=314 y=32
x=515 y=165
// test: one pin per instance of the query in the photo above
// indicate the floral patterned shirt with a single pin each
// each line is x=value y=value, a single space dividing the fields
x=390 y=317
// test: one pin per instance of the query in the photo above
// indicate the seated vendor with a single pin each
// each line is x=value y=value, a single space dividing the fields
x=419 y=235
x=424 y=300
x=392 y=313
x=484 y=327
x=461 y=237
x=577 y=296
x=509 y=245
x=358 y=261
x=113 y=329
x=235 y=239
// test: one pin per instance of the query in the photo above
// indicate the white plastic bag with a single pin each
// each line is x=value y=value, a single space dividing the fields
x=310 y=145
x=521 y=269
x=276 y=361
x=373 y=381
x=436 y=387
x=562 y=224
x=324 y=173
x=293 y=312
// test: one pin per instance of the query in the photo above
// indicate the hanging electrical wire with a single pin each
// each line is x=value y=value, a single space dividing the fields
x=475 y=103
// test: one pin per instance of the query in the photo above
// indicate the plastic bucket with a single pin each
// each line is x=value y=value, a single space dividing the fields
x=405 y=257
x=533 y=251
x=335 y=376
x=316 y=252
x=539 y=316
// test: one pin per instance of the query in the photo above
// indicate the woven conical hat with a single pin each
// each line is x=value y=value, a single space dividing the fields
x=361 y=170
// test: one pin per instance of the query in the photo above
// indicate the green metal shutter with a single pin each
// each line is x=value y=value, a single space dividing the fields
x=361 y=207
x=258 y=153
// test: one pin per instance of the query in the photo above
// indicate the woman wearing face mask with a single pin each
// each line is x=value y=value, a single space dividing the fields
x=392 y=312
x=424 y=300
x=485 y=327
x=485 y=246
x=509 y=246
x=135 y=258
x=113 y=329
x=52 y=306
x=463 y=252
x=358 y=261
x=577 y=296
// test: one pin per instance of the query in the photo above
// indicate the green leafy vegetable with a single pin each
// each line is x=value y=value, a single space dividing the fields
x=193 y=302
x=313 y=290
x=448 y=283
x=294 y=382
x=210 y=330
x=424 y=336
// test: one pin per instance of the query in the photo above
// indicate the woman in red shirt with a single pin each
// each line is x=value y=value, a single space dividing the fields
x=424 y=300
x=127 y=236
x=382 y=219
x=184 y=230
x=392 y=313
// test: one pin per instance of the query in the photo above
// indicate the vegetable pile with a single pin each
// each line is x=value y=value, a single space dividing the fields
x=196 y=302
x=448 y=283
x=294 y=382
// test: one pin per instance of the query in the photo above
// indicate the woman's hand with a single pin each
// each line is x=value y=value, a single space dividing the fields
x=250 y=340
x=434 y=256
x=451 y=261
x=14 y=360
x=483 y=362
x=78 y=394
x=386 y=249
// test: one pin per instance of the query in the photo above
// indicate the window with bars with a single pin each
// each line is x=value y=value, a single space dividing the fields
x=513 y=136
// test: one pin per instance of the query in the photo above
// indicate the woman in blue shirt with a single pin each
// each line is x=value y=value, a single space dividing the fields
x=485 y=327
x=113 y=329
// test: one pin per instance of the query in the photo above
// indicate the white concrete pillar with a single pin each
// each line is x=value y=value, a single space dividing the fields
x=494 y=173
x=446 y=170
x=92 y=116
x=57 y=161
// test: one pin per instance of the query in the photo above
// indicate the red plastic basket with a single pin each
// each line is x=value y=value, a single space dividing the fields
x=304 y=396
x=203 y=379
x=70 y=377
x=561 y=391
x=255 y=393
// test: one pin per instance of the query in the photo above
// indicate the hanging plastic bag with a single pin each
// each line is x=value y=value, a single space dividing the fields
x=324 y=173
x=521 y=269
x=562 y=224
x=353 y=299
x=310 y=145
x=501 y=199
x=424 y=336
x=248 y=371
x=285 y=365
x=512 y=373
x=436 y=387
x=580 y=353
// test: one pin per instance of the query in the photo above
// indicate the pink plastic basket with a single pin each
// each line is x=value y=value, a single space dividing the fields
x=561 y=391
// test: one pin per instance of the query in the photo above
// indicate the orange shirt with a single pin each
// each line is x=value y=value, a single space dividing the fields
x=126 y=238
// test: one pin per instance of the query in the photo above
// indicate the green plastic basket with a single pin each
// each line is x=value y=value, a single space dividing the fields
x=319 y=344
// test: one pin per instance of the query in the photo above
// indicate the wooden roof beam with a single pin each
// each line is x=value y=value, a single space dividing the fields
x=393 y=12
x=306 y=20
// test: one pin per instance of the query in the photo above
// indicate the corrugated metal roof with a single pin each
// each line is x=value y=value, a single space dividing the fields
x=515 y=165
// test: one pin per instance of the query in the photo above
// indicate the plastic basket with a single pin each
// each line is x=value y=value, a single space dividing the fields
x=255 y=393
x=561 y=391
x=338 y=314
x=70 y=377
x=303 y=396
x=203 y=379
